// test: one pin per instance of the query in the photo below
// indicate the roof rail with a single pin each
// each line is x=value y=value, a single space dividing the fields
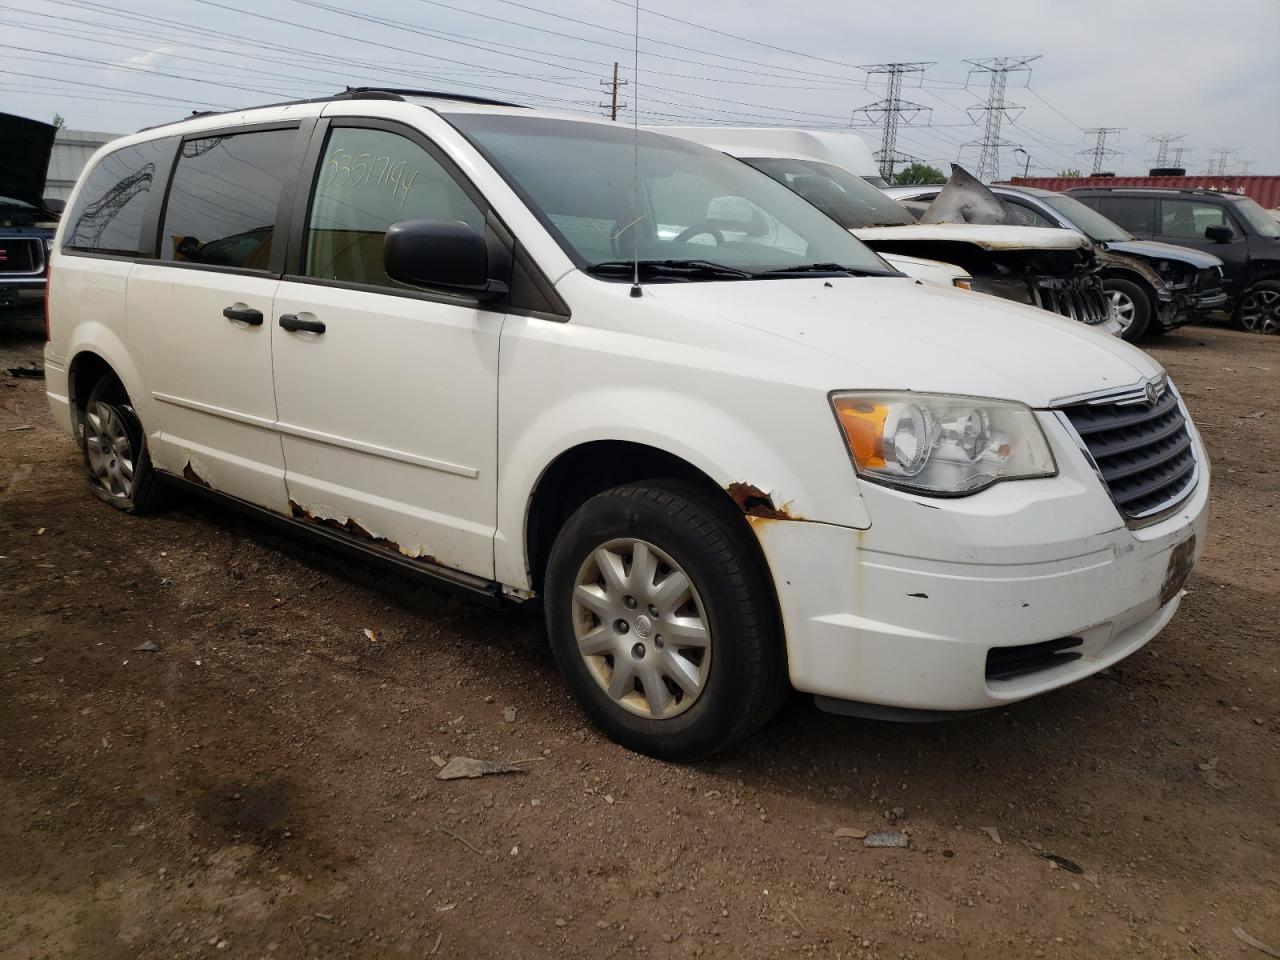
x=399 y=93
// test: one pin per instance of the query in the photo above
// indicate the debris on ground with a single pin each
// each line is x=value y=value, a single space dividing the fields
x=509 y=715
x=31 y=371
x=886 y=839
x=850 y=833
x=1069 y=865
x=373 y=637
x=466 y=767
x=1243 y=936
x=993 y=833
x=146 y=646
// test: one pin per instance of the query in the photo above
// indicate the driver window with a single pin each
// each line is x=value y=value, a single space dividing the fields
x=368 y=180
x=1015 y=214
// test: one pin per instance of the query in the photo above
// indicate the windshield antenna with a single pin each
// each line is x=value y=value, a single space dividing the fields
x=635 y=132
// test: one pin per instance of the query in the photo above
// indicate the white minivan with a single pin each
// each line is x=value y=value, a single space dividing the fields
x=548 y=359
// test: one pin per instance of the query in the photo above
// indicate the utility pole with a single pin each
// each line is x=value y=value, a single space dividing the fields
x=613 y=106
x=1026 y=165
x=1162 y=142
x=1218 y=162
x=994 y=110
x=893 y=110
x=1099 y=151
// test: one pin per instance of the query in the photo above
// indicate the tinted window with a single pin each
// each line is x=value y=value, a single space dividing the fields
x=222 y=205
x=850 y=201
x=108 y=213
x=1187 y=219
x=368 y=180
x=1132 y=213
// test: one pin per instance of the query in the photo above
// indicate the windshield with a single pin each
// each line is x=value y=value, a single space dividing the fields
x=1087 y=220
x=1261 y=221
x=847 y=199
x=687 y=205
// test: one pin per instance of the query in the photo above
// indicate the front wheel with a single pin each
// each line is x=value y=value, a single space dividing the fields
x=1131 y=306
x=1259 y=310
x=115 y=451
x=662 y=620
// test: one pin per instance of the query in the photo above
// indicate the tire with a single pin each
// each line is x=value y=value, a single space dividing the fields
x=1132 y=305
x=114 y=449
x=729 y=687
x=1259 y=308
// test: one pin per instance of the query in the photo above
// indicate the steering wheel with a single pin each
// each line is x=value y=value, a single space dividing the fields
x=698 y=229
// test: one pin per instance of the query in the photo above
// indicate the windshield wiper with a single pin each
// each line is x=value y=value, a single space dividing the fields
x=837 y=269
x=673 y=269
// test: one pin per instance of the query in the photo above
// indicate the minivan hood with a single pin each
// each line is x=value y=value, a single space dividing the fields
x=24 y=162
x=1155 y=250
x=895 y=333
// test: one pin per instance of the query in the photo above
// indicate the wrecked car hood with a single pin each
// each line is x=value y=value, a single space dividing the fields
x=891 y=333
x=24 y=161
x=1156 y=250
x=985 y=236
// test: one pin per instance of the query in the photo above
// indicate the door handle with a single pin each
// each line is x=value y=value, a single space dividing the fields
x=293 y=323
x=243 y=315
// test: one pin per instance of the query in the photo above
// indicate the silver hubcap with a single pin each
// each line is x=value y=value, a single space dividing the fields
x=110 y=453
x=1122 y=308
x=1260 y=312
x=641 y=629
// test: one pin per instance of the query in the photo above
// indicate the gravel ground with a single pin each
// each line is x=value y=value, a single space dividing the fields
x=262 y=783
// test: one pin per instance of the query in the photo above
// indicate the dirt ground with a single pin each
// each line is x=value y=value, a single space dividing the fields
x=263 y=784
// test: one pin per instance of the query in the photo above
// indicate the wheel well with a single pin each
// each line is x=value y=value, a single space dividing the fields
x=85 y=372
x=579 y=474
x=1135 y=278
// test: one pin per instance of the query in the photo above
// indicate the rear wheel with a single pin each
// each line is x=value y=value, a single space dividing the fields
x=115 y=450
x=1259 y=309
x=662 y=620
x=1131 y=306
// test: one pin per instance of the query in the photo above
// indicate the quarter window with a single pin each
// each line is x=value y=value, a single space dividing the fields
x=112 y=202
x=368 y=180
x=1187 y=219
x=222 y=206
x=1132 y=213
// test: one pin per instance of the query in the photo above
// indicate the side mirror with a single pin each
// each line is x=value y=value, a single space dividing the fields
x=1218 y=234
x=446 y=255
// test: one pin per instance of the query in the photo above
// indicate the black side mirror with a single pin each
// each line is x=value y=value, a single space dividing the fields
x=446 y=255
x=1218 y=234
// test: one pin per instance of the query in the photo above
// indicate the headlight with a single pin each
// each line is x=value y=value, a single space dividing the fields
x=964 y=283
x=941 y=445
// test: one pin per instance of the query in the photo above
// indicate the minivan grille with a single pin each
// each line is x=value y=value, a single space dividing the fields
x=20 y=256
x=1009 y=663
x=1080 y=300
x=1142 y=451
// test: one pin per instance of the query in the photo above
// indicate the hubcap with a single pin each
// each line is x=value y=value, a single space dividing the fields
x=1122 y=308
x=651 y=655
x=1260 y=312
x=110 y=453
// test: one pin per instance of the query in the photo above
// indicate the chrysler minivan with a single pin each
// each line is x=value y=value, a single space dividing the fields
x=547 y=359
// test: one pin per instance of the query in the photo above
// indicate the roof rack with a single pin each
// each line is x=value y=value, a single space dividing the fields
x=399 y=93
x=350 y=93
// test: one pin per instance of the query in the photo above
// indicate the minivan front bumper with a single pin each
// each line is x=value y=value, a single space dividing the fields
x=925 y=610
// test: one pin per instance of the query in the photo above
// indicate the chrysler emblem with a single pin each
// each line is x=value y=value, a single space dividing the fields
x=1154 y=389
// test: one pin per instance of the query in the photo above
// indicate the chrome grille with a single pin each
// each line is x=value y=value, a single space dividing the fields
x=20 y=255
x=1140 y=447
x=1082 y=300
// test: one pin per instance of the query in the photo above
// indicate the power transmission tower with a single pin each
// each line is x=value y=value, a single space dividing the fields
x=1100 y=151
x=1244 y=166
x=613 y=106
x=1218 y=162
x=1179 y=153
x=894 y=110
x=994 y=109
x=1162 y=141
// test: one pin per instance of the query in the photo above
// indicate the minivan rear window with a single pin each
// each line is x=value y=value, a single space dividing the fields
x=112 y=203
x=221 y=209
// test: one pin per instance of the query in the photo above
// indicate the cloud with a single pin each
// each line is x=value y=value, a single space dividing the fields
x=142 y=61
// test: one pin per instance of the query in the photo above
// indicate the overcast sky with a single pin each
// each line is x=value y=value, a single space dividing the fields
x=1209 y=71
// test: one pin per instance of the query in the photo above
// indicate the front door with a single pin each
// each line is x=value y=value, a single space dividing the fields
x=1183 y=220
x=386 y=394
x=199 y=313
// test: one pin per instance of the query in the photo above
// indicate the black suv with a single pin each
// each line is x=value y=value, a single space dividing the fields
x=26 y=227
x=1238 y=231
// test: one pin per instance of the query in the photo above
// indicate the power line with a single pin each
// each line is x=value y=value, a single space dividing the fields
x=994 y=109
x=892 y=110
x=1100 y=151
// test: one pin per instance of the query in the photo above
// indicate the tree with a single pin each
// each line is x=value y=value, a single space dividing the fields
x=1069 y=173
x=919 y=173
x=59 y=121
